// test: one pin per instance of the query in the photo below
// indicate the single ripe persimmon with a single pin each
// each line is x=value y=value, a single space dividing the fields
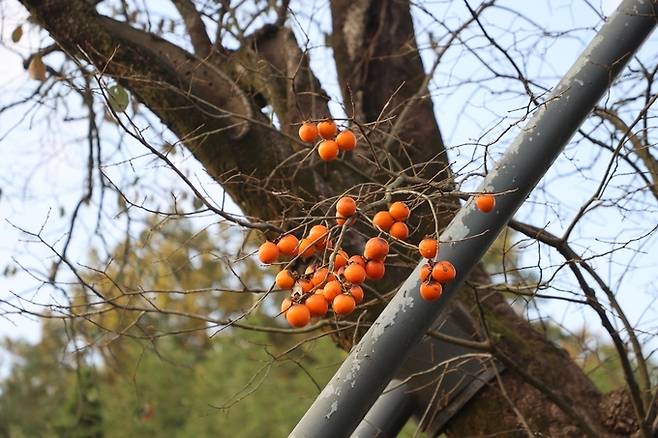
x=306 y=248
x=328 y=150
x=375 y=269
x=317 y=305
x=355 y=273
x=376 y=249
x=321 y=276
x=444 y=272
x=288 y=245
x=268 y=252
x=343 y=304
x=485 y=203
x=285 y=280
x=346 y=206
x=431 y=291
x=428 y=248
x=306 y=285
x=319 y=234
x=346 y=140
x=317 y=231
x=285 y=305
x=340 y=260
x=425 y=272
x=399 y=211
x=383 y=220
x=308 y=132
x=358 y=260
x=332 y=289
x=357 y=293
x=298 y=315
x=327 y=129
x=399 y=230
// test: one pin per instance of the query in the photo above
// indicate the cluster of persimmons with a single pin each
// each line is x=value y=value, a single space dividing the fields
x=331 y=277
x=332 y=141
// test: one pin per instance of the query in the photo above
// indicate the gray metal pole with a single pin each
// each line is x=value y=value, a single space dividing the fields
x=389 y=414
x=371 y=364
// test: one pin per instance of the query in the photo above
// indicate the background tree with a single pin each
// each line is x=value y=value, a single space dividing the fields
x=228 y=83
x=152 y=382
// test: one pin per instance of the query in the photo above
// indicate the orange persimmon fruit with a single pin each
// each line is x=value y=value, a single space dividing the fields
x=399 y=211
x=346 y=140
x=485 y=203
x=298 y=315
x=317 y=305
x=428 y=248
x=308 y=132
x=321 y=276
x=383 y=220
x=332 y=289
x=328 y=150
x=358 y=260
x=306 y=248
x=288 y=245
x=431 y=291
x=375 y=269
x=346 y=206
x=444 y=271
x=355 y=273
x=327 y=129
x=357 y=293
x=340 y=260
x=376 y=249
x=268 y=252
x=306 y=285
x=343 y=304
x=425 y=272
x=285 y=280
x=319 y=234
x=399 y=230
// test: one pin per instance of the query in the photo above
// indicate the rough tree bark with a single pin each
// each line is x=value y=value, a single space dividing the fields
x=211 y=100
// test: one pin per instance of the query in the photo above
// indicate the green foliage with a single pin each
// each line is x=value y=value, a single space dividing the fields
x=118 y=98
x=17 y=33
x=237 y=383
x=237 y=388
x=33 y=394
x=599 y=360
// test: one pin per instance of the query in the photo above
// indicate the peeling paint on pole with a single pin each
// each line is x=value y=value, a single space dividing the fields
x=363 y=376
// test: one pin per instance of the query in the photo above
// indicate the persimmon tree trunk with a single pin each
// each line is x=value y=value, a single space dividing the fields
x=212 y=100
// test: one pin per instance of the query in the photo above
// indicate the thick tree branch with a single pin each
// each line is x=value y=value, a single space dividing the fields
x=381 y=73
x=211 y=114
x=195 y=27
x=272 y=63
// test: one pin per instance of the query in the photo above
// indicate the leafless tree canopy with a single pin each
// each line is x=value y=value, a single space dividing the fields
x=191 y=110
